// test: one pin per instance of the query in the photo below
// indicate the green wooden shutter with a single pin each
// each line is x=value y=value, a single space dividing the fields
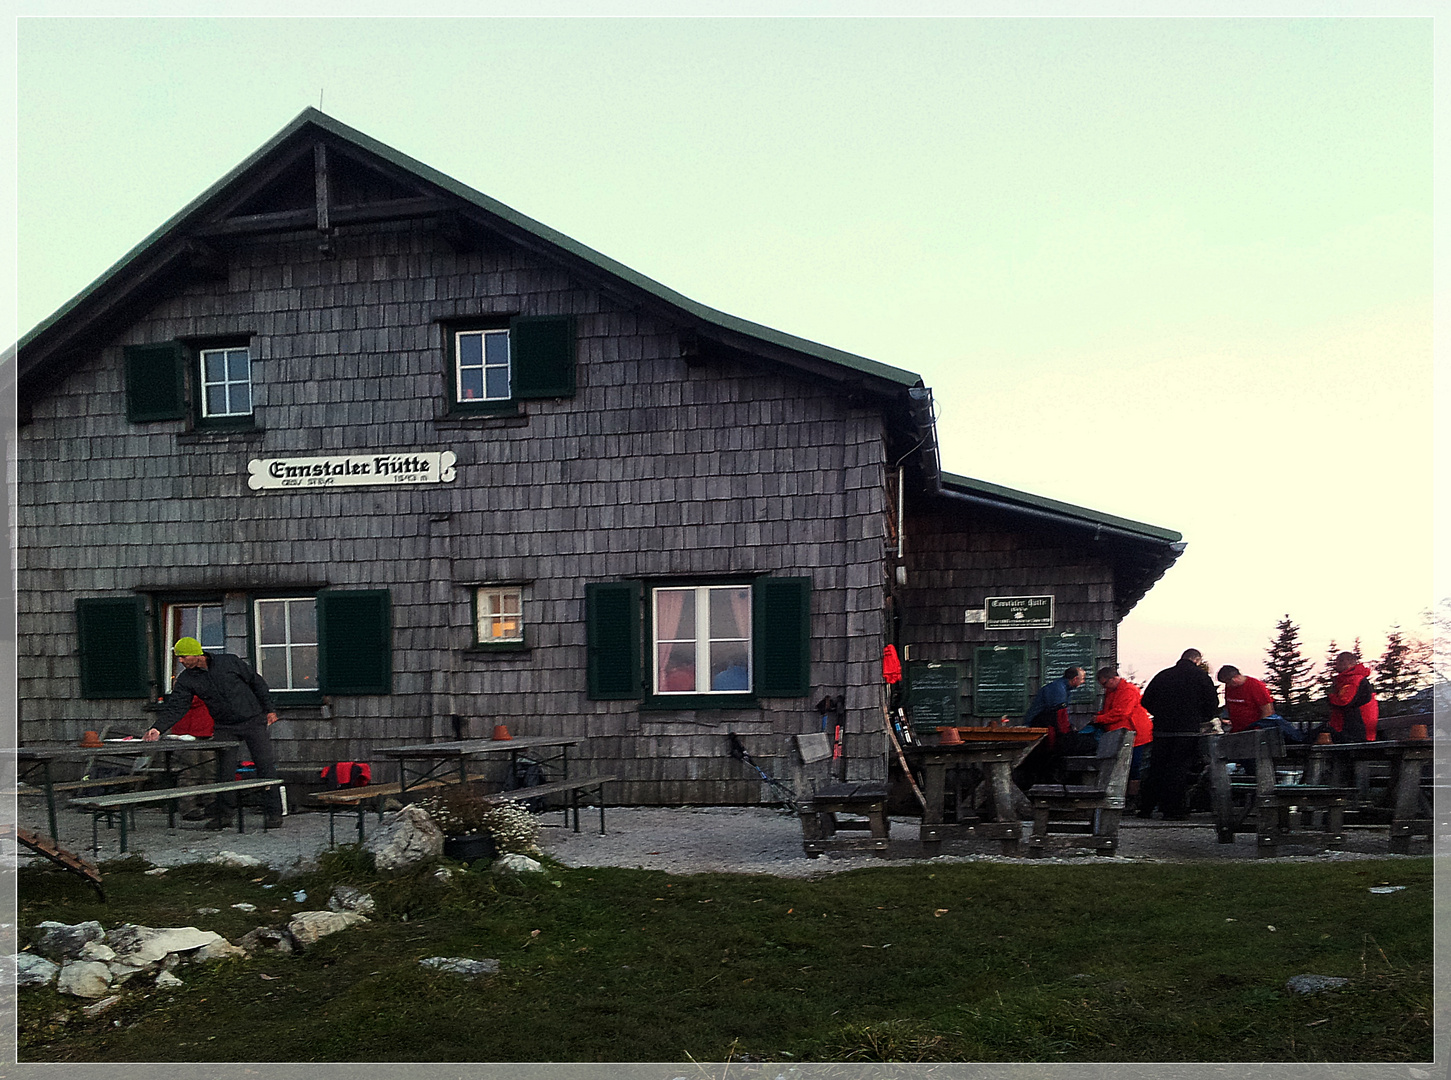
x=541 y=353
x=354 y=641
x=612 y=639
x=111 y=641
x=781 y=610
x=155 y=382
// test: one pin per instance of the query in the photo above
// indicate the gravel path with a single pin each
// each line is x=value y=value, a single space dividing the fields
x=746 y=840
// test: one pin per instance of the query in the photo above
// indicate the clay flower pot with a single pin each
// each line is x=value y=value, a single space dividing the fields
x=1418 y=731
x=91 y=741
x=948 y=736
x=501 y=732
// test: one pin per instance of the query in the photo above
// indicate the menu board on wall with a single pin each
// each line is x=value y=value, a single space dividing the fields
x=1058 y=652
x=999 y=680
x=934 y=695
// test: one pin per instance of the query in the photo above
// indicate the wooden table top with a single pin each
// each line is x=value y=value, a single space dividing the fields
x=63 y=751
x=476 y=747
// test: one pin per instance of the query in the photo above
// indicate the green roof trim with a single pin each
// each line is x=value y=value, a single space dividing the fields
x=1007 y=495
x=313 y=117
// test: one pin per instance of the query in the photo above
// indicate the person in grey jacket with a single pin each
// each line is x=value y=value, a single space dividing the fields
x=241 y=708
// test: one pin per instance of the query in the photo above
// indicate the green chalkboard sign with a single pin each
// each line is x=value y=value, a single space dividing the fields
x=1058 y=652
x=934 y=695
x=999 y=680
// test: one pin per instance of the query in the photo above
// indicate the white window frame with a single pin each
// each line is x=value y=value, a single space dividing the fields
x=171 y=635
x=290 y=645
x=226 y=382
x=483 y=367
x=488 y=614
x=702 y=635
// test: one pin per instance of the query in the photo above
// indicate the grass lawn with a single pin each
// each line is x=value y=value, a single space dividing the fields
x=968 y=962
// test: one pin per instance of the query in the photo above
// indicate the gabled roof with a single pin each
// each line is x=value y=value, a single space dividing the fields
x=1011 y=498
x=216 y=212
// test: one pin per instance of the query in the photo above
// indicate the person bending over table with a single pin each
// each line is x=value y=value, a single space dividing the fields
x=241 y=708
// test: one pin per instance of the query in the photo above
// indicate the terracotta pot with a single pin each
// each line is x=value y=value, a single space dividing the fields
x=92 y=741
x=501 y=732
x=1418 y=731
x=948 y=736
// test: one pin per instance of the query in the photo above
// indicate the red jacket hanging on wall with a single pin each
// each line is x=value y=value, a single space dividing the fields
x=1353 y=708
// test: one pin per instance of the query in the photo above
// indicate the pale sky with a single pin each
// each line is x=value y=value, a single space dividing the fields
x=1175 y=270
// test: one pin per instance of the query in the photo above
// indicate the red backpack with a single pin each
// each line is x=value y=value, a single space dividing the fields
x=343 y=774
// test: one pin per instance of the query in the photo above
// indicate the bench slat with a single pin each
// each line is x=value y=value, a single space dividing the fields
x=353 y=796
x=138 y=798
x=552 y=788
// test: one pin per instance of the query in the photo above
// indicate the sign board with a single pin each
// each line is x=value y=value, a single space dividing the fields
x=1018 y=612
x=999 y=680
x=974 y=615
x=1058 y=652
x=934 y=695
x=352 y=470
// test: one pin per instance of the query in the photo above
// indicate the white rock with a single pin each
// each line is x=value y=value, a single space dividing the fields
x=84 y=978
x=443 y=874
x=516 y=864
x=63 y=941
x=307 y=927
x=232 y=858
x=409 y=836
x=208 y=911
x=167 y=981
x=221 y=949
x=101 y=1006
x=244 y=907
x=157 y=871
x=32 y=970
x=137 y=946
x=97 y=950
x=347 y=898
x=459 y=965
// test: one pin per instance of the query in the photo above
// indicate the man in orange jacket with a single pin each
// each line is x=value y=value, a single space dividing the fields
x=1122 y=709
x=1353 y=708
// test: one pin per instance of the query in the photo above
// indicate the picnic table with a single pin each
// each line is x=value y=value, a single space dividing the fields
x=420 y=763
x=1339 y=763
x=41 y=757
x=994 y=750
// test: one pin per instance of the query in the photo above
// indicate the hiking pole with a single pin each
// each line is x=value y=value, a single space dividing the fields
x=738 y=751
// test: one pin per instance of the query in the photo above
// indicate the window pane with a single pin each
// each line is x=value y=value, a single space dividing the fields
x=241 y=396
x=504 y=627
x=237 y=366
x=181 y=623
x=304 y=668
x=471 y=384
x=675 y=614
x=676 y=665
x=497 y=349
x=730 y=666
x=214 y=364
x=730 y=613
x=272 y=666
x=498 y=383
x=270 y=628
x=216 y=400
x=211 y=635
x=470 y=350
x=304 y=621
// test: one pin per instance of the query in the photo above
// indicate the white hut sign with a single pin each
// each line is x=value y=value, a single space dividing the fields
x=351 y=470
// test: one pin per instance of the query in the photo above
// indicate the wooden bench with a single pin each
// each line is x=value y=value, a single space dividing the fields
x=572 y=787
x=129 y=780
x=105 y=804
x=1092 y=807
x=1238 y=795
x=819 y=799
x=355 y=798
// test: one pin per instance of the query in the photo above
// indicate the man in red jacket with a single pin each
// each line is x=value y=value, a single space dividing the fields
x=1353 y=708
x=1122 y=709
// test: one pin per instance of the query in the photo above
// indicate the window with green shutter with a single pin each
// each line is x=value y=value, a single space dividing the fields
x=493 y=363
x=111 y=644
x=355 y=641
x=612 y=636
x=155 y=382
x=783 y=636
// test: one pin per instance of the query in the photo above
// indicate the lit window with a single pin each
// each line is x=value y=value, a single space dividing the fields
x=500 y=615
x=702 y=638
x=482 y=365
x=286 y=635
x=226 y=382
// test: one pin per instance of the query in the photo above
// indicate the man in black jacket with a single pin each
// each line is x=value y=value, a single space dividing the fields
x=1181 y=700
x=241 y=708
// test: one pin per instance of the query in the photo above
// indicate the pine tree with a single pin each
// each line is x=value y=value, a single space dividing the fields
x=1288 y=670
x=1394 y=679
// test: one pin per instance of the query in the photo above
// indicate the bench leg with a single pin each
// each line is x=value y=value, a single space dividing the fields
x=602 y=809
x=95 y=835
x=123 y=828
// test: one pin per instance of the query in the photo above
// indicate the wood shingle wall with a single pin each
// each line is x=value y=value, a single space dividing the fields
x=654 y=468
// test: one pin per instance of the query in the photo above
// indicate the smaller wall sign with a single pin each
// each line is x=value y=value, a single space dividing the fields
x=974 y=615
x=1018 y=612
x=352 y=470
